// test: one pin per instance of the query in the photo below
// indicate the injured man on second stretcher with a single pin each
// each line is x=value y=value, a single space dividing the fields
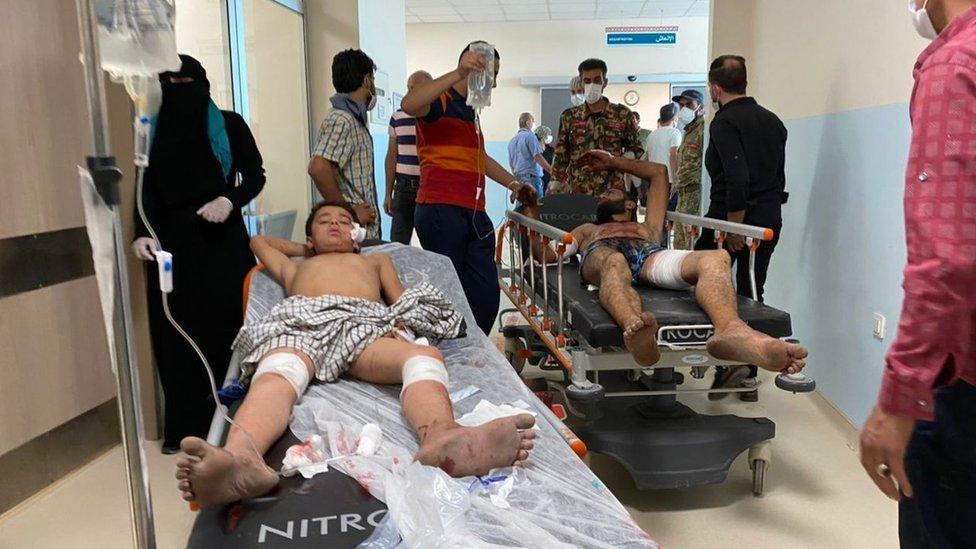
x=617 y=253
x=346 y=314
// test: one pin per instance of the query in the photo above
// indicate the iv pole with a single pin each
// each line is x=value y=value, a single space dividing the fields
x=107 y=175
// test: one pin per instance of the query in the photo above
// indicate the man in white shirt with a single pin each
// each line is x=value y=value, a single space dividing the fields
x=662 y=145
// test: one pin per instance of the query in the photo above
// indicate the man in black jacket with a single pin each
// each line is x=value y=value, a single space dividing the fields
x=746 y=160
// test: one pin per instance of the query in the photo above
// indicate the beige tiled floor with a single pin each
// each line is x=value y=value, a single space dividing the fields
x=817 y=496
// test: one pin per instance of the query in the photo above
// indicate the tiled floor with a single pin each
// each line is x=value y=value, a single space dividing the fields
x=816 y=495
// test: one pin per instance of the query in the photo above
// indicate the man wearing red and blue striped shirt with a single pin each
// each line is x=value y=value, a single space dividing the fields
x=450 y=217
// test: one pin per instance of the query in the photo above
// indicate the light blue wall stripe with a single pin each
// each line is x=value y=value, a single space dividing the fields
x=842 y=251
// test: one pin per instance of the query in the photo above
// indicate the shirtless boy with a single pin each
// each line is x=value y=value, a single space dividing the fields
x=618 y=253
x=341 y=310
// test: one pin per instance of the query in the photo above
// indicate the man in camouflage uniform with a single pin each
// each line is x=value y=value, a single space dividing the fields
x=596 y=124
x=687 y=181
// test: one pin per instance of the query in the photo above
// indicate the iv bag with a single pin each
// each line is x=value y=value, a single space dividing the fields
x=136 y=37
x=480 y=83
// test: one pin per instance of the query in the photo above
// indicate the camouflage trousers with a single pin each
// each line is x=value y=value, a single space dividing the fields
x=689 y=202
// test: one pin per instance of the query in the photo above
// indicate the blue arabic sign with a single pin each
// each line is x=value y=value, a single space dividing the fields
x=641 y=38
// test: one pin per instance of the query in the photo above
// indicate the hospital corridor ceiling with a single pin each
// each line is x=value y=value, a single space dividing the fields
x=457 y=11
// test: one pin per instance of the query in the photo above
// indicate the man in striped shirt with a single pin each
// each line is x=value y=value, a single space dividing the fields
x=403 y=168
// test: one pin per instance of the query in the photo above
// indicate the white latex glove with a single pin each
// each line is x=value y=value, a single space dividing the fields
x=143 y=248
x=217 y=210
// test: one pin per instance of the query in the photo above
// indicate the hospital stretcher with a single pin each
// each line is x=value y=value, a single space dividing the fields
x=331 y=509
x=617 y=407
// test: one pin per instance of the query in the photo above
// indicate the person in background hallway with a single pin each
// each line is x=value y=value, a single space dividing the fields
x=687 y=180
x=403 y=169
x=746 y=159
x=544 y=133
x=662 y=147
x=191 y=200
x=577 y=95
x=450 y=217
x=596 y=124
x=525 y=155
x=640 y=187
x=919 y=443
x=342 y=161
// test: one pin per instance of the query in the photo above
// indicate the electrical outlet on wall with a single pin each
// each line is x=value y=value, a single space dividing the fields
x=880 y=326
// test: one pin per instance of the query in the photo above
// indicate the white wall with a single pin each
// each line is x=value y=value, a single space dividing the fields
x=839 y=74
x=549 y=49
x=382 y=35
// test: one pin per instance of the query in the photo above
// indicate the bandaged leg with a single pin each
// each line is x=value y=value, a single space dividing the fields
x=664 y=270
x=423 y=368
x=287 y=365
x=211 y=475
x=460 y=451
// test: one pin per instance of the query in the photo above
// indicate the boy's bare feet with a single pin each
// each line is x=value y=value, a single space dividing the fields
x=640 y=338
x=462 y=451
x=211 y=475
x=743 y=344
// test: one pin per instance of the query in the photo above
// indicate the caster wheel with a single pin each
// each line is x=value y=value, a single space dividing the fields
x=514 y=348
x=758 y=475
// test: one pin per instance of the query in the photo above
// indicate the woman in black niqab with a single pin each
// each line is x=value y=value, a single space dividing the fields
x=193 y=202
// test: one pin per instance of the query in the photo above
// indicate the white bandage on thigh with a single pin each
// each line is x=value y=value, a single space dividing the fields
x=423 y=368
x=288 y=366
x=665 y=270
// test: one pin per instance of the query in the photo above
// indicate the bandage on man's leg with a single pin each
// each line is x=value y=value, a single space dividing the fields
x=609 y=270
x=427 y=407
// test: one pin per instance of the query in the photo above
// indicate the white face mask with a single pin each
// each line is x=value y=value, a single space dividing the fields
x=577 y=99
x=593 y=92
x=922 y=21
x=548 y=139
x=685 y=116
x=533 y=127
x=372 y=102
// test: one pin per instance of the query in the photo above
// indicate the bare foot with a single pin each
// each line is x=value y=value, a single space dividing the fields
x=211 y=475
x=743 y=344
x=462 y=451
x=640 y=338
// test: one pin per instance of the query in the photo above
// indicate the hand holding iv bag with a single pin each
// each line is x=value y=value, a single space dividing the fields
x=481 y=82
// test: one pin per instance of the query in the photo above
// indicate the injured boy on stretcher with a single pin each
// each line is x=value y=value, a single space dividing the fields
x=618 y=253
x=346 y=314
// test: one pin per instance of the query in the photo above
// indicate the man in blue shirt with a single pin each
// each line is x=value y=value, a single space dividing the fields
x=525 y=155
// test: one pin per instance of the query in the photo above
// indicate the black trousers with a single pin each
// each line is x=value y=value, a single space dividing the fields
x=404 y=205
x=740 y=262
x=941 y=465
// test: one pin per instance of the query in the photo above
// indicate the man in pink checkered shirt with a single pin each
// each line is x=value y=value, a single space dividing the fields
x=919 y=444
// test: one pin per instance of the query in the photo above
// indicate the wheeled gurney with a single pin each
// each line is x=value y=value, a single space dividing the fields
x=619 y=408
x=332 y=510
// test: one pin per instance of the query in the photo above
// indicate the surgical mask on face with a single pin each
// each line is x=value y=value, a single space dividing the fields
x=593 y=92
x=685 y=116
x=533 y=127
x=922 y=21
x=548 y=140
x=577 y=99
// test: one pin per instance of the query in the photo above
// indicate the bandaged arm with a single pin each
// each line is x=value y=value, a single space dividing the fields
x=550 y=252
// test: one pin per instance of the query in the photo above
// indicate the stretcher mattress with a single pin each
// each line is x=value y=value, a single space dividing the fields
x=561 y=496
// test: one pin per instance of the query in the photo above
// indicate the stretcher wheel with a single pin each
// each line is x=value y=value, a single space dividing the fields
x=796 y=383
x=758 y=476
x=513 y=353
x=591 y=393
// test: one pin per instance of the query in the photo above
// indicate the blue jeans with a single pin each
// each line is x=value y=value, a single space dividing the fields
x=536 y=183
x=941 y=465
x=467 y=238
